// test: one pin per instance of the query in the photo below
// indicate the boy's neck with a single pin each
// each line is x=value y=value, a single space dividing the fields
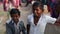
x=37 y=16
x=16 y=22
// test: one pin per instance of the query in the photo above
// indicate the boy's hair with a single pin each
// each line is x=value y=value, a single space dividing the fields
x=14 y=11
x=38 y=4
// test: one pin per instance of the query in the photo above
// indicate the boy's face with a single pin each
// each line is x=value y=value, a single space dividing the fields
x=37 y=11
x=15 y=17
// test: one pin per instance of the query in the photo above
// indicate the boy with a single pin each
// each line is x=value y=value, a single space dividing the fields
x=15 y=25
x=37 y=20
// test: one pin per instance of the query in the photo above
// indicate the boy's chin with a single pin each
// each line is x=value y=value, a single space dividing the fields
x=37 y=16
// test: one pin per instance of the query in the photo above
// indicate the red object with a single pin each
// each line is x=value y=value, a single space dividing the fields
x=15 y=3
x=29 y=1
x=5 y=2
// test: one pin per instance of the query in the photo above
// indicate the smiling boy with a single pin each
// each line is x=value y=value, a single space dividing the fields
x=37 y=20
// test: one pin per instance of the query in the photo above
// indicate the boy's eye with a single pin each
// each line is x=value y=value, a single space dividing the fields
x=37 y=10
x=16 y=16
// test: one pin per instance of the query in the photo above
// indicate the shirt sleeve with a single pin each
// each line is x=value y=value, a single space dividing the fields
x=50 y=20
x=23 y=28
x=8 y=29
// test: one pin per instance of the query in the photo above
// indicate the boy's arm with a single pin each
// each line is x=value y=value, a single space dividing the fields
x=28 y=24
x=23 y=29
x=8 y=29
x=53 y=20
x=28 y=28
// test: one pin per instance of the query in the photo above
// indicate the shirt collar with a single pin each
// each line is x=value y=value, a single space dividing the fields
x=38 y=20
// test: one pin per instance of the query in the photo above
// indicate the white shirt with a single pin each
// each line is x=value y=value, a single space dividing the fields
x=16 y=27
x=40 y=27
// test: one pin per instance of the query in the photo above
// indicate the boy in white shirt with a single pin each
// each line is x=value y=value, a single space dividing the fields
x=37 y=20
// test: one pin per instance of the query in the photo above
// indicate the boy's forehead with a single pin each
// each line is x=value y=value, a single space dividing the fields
x=36 y=7
x=16 y=14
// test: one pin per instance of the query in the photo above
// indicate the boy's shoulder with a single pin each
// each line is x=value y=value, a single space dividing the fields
x=21 y=23
x=44 y=15
x=29 y=16
x=8 y=21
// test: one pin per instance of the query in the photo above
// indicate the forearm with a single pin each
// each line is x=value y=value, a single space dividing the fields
x=24 y=30
x=28 y=29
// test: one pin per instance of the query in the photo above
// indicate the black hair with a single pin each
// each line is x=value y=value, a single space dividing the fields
x=14 y=11
x=38 y=4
